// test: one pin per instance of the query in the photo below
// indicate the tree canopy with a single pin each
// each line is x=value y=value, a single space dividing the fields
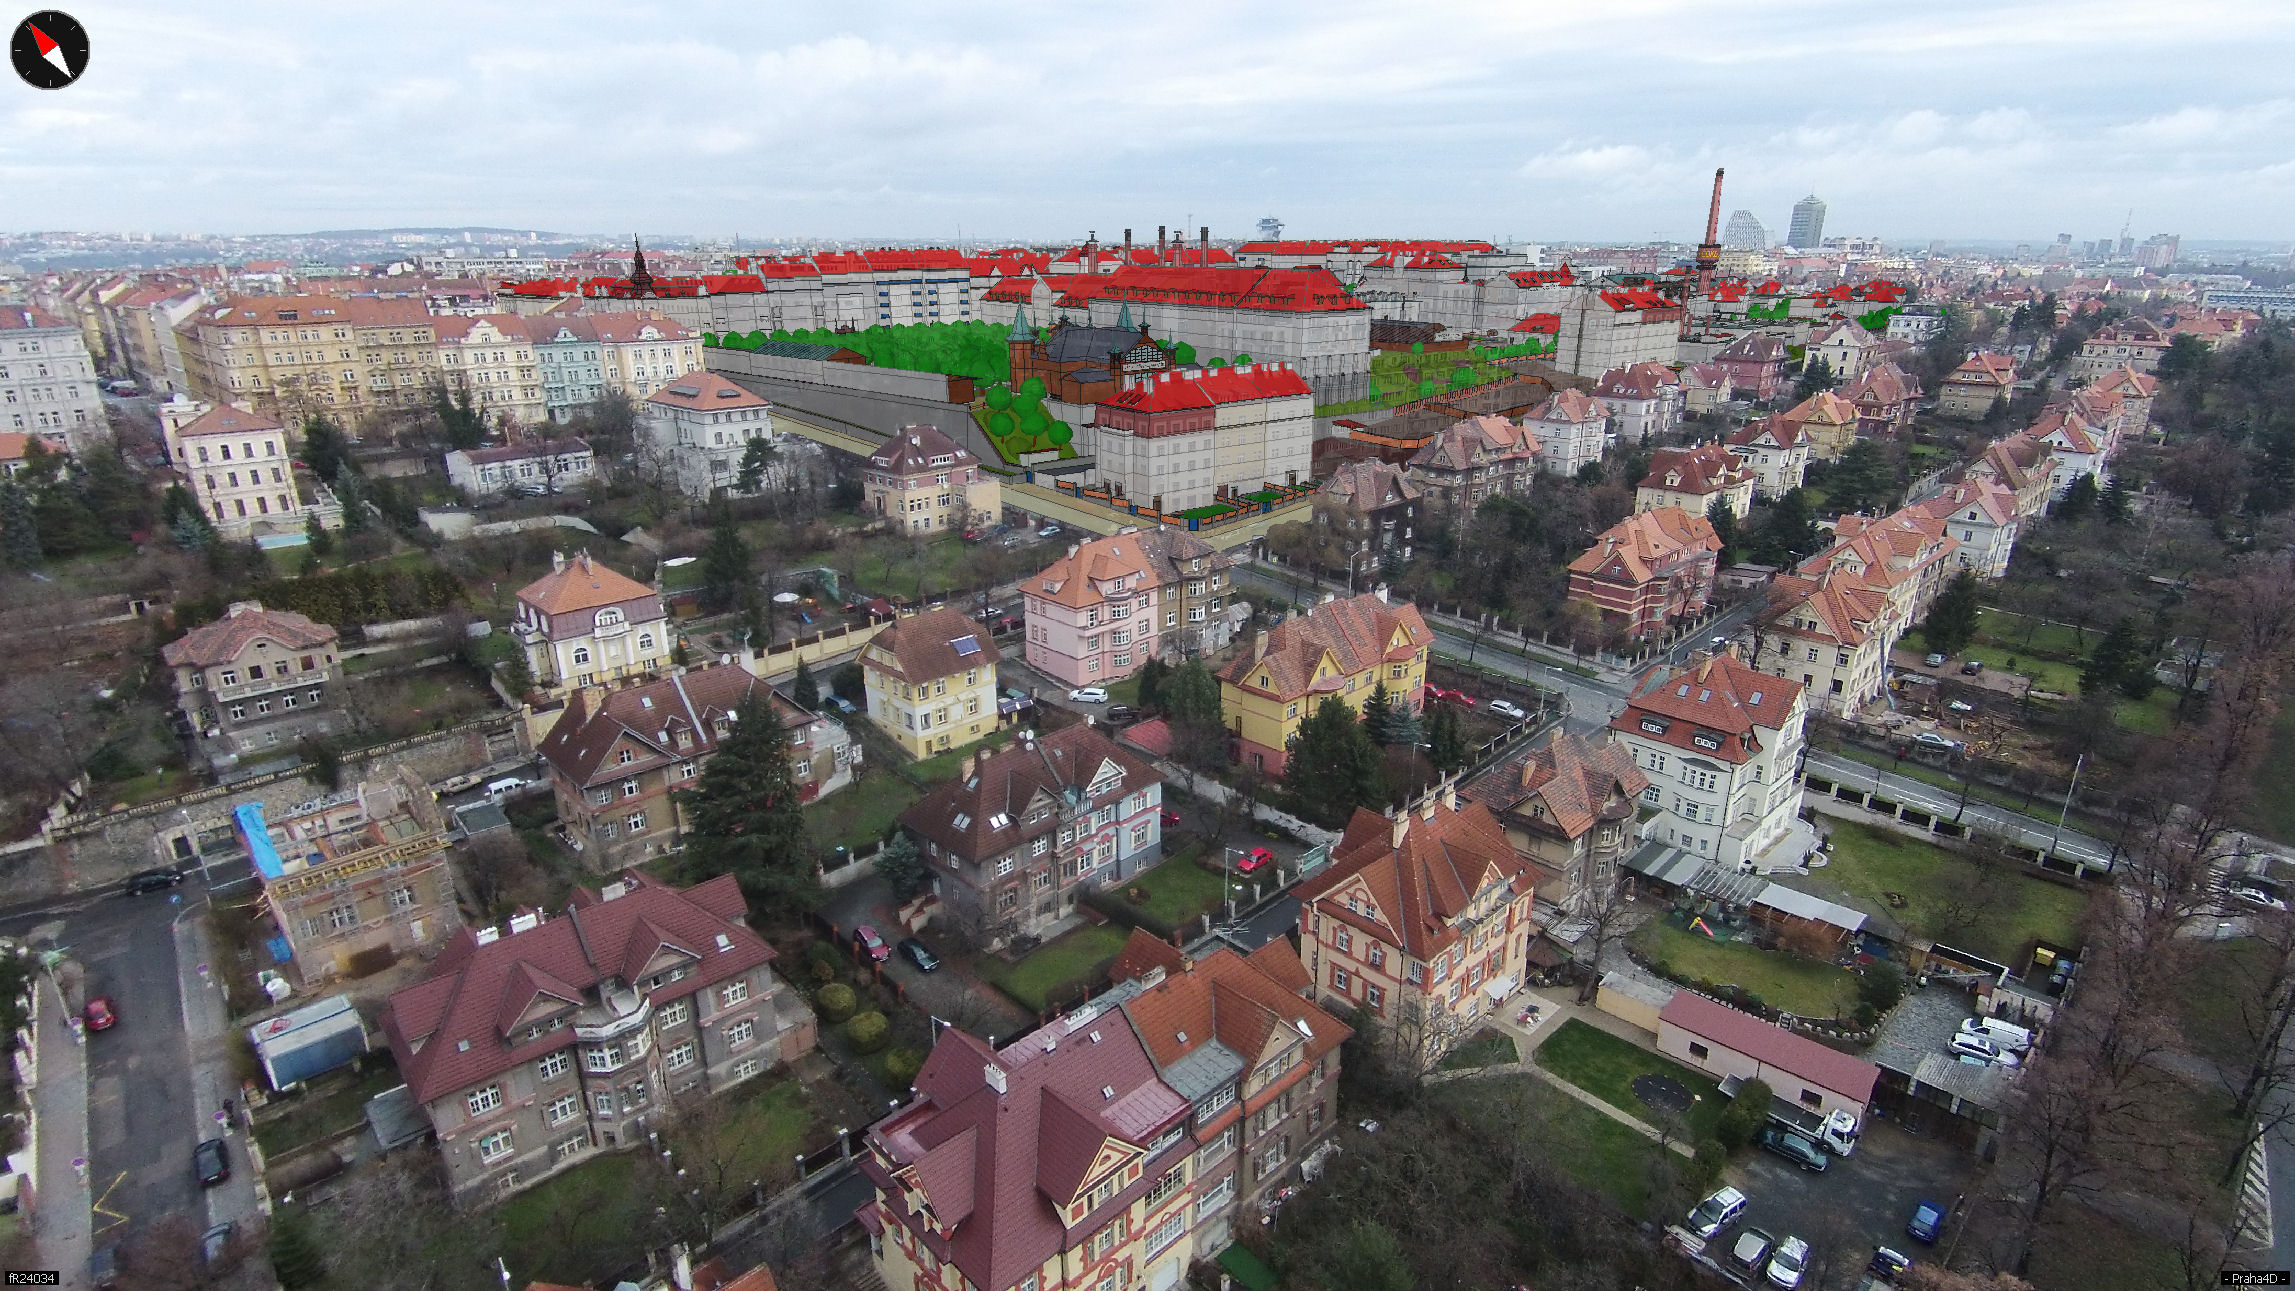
x=745 y=817
x=1333 y=766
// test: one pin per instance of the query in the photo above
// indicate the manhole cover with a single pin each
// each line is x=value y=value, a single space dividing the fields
x=1662 y=1092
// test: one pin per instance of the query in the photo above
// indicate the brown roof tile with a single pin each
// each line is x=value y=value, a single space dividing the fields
x=924 y=646
x=985 y=814
x=1357 y=632
x=583 y=584
x=1572 y=776
x=244 y=624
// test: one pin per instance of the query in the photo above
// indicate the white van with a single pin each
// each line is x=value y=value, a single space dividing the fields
x=2006 y=1035
x=497 y=790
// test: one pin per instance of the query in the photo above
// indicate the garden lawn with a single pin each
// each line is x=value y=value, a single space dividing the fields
x=2046 y=674
x=1605 y=1066
x=1179 y=891
x=892 y=566
x=2271 y=809
x=1596 y=1150
x=2152 y=715
x=2053 y=640
x=321 y=1114
x=944 y=766
x=1868 y=863
x=861 y=812
x=1487 y=1048
x=1059 y=970
x=1801 y=986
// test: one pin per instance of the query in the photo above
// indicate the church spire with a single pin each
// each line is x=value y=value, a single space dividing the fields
x=1020 y=329
x=640 y=280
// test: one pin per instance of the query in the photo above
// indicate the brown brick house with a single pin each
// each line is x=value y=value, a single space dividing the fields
x=1568 y=807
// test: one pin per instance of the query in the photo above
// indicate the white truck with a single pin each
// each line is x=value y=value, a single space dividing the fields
x=1835 y=1131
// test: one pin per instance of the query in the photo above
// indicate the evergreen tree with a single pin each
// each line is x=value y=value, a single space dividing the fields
x=459 y=419
x=319 y=537
x=19 y=530
x=805 y=690
x=1817 y=376
x=1723 y=518
x=2116 y=505
x=1333 y=767
x=325 y=450
x=724 y=565
x=351 y=491
x=901 y=866
x=1378 y=713
x=1951 y=621
x=174 y=503
x=1446 y=743
x=517 y=673
x=2079 y=501
x=745 y=817
x=1369 y=1260
x=756 y=460
x=1788 y=533
x=1152 y=675
x=2118 y=655
x=192 y=531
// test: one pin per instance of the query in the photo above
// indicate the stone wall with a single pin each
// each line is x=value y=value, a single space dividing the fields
x=99 y=850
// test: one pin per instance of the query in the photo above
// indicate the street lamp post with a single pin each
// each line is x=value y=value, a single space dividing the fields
x=2069 y=790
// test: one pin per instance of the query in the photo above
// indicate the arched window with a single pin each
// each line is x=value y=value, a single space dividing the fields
x=581 y=654
x=608 y=618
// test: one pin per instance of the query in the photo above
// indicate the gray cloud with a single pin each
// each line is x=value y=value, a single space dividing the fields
x=1951 y=119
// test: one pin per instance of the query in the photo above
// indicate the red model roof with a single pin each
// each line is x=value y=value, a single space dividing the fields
x=1189 y=388
x=1547 y=324
x=1632 y=298
x=1223 y=287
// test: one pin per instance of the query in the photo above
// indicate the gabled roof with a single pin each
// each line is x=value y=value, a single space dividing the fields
x=1823 y=408
x=2066 y=430
x=1218 y=286
x=582 y=584
x=1852 y=1078
x=1573 y=777
x=936 y=643
x=1475 y=441
x=446 y=1030
x=1883 y=383
x=706 y=392
x=1154 y=557
x=1356 y=633
x=648 y=720
x=1223 y=998
x=17 y=318
x=1716 y=696
x=1704 y=470
x=1569 y=407
x=2128 y=381
x=223 y=419
x=1752 y=349
x=1638 y=546
x=1992 y=504
x=920 y=449
x=1985 y=368
x=1776 y=431
x=245 y=623
x=1369 y=485
x=1639 y=381
x=1424 y=884
x=358 y=311
x=985 y=813
x=1844 y=607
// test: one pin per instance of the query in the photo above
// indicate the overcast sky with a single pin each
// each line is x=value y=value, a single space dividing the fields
x=1553 y=120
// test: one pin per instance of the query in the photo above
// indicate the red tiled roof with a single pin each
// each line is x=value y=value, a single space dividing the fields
x=706 y=392
x=1720 y=695
x=447 y=1029
x=1356 y=632
x=246 y=623
x=920 y=449
x=1645 y=541
x=1210 y=387
x=1224 y=287
x=358 y=311
x=1568 y=407
x=583 y=584
x=1422 y=886
x=1545 y=324
x=223 y=419
x=1708 y=468
x=1851 y=1078
x=1223 y=997
x=1637 y=381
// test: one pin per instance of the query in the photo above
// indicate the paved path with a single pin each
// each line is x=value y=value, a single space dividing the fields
x=1528 y=1038
x=61 y=1221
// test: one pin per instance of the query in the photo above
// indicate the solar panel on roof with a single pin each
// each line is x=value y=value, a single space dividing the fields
x=966 y=646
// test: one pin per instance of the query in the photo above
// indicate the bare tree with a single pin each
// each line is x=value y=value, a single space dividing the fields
x=1608 y=913
x=2260 y=986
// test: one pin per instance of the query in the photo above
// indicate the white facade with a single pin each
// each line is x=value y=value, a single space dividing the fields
x=237 y=465
x=1732 y=811
x=1329 y=347
x=1598 y=333
x=553 y=467
x=701 y=427
x=47 y=380
x=1250 y=426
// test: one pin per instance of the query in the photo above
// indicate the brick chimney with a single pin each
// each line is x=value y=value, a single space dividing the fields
x=1398 y=825
x=1159 y=242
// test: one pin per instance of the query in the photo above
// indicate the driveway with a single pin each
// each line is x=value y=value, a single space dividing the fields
x=1860 y=1202
x=951 y=994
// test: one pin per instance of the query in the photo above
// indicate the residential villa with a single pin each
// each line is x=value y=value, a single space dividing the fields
x=1474 y=460
x=1776 y=450
x=931 y=681
x=1885 y=398
x=1022 y=832
x=2076 y=448
x=1828 y=422
x=1981 y=516
x=1100 y=612
x=1645 y=401
x=699 y=428
x=1848 y=348
x=354 y=879
x=927 y=483
x=531 y=1048
x=1648 y=571
x=583 y=624
x=253 y=681
x=1721 y=747
x=534 y=466
x=1343 y=649
x=1756 y=366
x=2135 y=343
x=1382 y=500
x=1422 y=922
x=1834 y=632
x=1571 y=429
x=1973 y=387
x=1568 y=805
x=1693 y=479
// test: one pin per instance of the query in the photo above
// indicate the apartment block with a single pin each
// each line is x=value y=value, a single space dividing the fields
x=1100 y=612
x=1721 y=746
x=289 y=357
x=490 y=359
x=47 y=380
x=1177 y=439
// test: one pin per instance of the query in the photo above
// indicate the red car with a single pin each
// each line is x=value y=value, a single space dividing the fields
x=98 y=1014
x=867 y=939
x=1170 y=818
x=1454 y=696
x=1257 y=859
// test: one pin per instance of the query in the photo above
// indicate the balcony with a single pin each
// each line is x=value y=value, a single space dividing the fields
x=285 y=681
x=620 y=1010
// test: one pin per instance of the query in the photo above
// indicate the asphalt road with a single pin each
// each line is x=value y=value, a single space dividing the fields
x=2068 y=843
x=156 y=1079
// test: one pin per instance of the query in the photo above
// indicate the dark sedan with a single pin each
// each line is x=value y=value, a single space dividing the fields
x=914 y=952
x=211 y=1161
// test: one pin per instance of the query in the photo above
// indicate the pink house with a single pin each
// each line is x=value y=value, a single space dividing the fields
x=1102 y=611
x=1756 y=366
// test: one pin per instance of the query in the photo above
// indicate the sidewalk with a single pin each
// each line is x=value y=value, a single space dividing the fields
x=61 y=1219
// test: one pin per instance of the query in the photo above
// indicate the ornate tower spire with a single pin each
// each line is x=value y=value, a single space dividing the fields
x=640 y=280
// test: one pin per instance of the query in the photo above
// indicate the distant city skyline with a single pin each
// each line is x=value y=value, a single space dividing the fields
x=1969 y=121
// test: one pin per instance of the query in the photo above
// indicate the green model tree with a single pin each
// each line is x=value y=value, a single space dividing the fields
x=745 y=816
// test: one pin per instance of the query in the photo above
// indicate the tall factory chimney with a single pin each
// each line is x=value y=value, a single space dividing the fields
x=1159 y=243
x=1709 y=251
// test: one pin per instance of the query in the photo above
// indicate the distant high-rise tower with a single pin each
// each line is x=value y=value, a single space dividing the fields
x=1745 y=233
x=1808 y=228
x=1271 y=229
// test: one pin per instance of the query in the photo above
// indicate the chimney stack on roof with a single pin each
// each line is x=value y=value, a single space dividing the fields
x=1159 y=242
x=1259 y=645
x=964 y=768
x=1426 y=809
x=1450 y=793
x=557 y=562
x=1206 y=244
x=1398 y=823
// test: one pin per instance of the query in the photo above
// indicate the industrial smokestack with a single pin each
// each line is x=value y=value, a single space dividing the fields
x=1206 y=244
x=1159 y=241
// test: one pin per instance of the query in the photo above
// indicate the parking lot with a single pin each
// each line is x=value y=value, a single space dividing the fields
x=1859 y=1202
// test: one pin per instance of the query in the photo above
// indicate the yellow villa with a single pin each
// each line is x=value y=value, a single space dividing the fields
x=931 y=681
x=1342 y=648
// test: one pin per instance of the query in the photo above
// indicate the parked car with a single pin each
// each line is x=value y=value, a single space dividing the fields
x=1716 y=1212
x=213 y=1243
x=1122 y=713
x=1170 y=818
x=1454 y=696
x=1792 y=1147
x=1972 y=668
x=842 y=705
x=1887 y=1265
x=1089 y=694
x=1788 y=1262
x=871 y=944
x=211 y=1161
x=2259 y=896
x=1936 y=742
x=914 y=952
x=1049 y=530
x=1927 y=1221
x=1255 y=860
x=144 y=881
x=1936 y=660
x=1507 y=708
x=98 y=1015
x=2002 y=1035
x=1970 y=1046
x=1751 y=1249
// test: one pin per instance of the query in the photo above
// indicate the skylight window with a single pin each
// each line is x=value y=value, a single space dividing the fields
x=1755 y=701
x=963 y=820
x=966 y=646
x=999 y=820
